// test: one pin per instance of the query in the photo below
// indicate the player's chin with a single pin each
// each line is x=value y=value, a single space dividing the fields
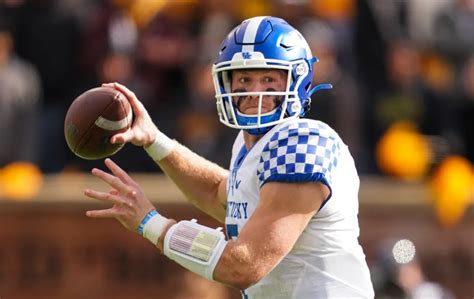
x=250 y=111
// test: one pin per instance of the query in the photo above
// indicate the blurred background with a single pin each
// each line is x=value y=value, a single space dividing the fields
x=403 y=101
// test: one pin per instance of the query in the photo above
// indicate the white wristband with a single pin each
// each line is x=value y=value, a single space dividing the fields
x=152 y=226
x=161 y=148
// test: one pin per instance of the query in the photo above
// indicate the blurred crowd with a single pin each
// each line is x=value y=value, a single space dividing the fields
x=402 y=71
x=390 y=62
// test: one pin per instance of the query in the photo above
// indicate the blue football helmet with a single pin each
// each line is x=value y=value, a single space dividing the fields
x=264 y=43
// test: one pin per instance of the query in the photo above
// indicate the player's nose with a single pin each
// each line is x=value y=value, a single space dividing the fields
x=256 y=86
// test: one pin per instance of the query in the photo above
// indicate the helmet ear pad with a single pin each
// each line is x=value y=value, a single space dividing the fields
x=301 y=77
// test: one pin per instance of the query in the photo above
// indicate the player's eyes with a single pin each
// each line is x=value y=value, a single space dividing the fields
x=244 y=80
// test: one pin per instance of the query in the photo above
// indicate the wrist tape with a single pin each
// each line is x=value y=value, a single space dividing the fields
x=196 y=247
x=152 y=226
x=161 y=147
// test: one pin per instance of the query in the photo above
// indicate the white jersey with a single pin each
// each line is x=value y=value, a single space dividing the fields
x=327 y=260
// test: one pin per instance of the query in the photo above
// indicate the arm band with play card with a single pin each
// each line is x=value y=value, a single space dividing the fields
x=196 y=247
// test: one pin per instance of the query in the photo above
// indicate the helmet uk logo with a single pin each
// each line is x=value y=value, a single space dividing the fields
x=246 y=55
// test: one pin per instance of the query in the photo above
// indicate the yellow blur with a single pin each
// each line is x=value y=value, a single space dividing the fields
x=403 y=152
x=20 y=181
x=453 y=188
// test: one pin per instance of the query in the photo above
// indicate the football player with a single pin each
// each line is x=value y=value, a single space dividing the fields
x=290 y=198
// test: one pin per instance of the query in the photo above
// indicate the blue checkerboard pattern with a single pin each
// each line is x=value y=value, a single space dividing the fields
x=301 y=151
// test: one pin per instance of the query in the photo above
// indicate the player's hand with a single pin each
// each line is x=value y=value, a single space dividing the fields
x=143 y=131
x=129 y=203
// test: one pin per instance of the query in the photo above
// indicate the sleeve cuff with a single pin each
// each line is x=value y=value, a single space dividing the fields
x=300 y=178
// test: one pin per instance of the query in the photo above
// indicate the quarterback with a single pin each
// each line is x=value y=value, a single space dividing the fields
x=289 y=200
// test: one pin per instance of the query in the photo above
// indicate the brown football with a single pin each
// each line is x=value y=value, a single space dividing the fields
x=93 y=118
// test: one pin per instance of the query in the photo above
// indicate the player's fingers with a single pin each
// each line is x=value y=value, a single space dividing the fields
x=119 y=172
x=107 y=197
x=113 y=181
x=122 y=137
x=137 y=106
x=127 y=92
x=108 y=213
x=130 y=95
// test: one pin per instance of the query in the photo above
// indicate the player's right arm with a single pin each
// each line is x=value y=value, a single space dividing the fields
x=203 y=183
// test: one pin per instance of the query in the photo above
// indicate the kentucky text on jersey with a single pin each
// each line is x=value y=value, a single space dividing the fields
x=237 y=210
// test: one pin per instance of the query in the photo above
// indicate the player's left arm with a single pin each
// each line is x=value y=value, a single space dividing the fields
x=295 y=177
x=284 y=211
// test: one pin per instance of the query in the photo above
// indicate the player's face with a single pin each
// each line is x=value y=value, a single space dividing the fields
x=257 y=81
